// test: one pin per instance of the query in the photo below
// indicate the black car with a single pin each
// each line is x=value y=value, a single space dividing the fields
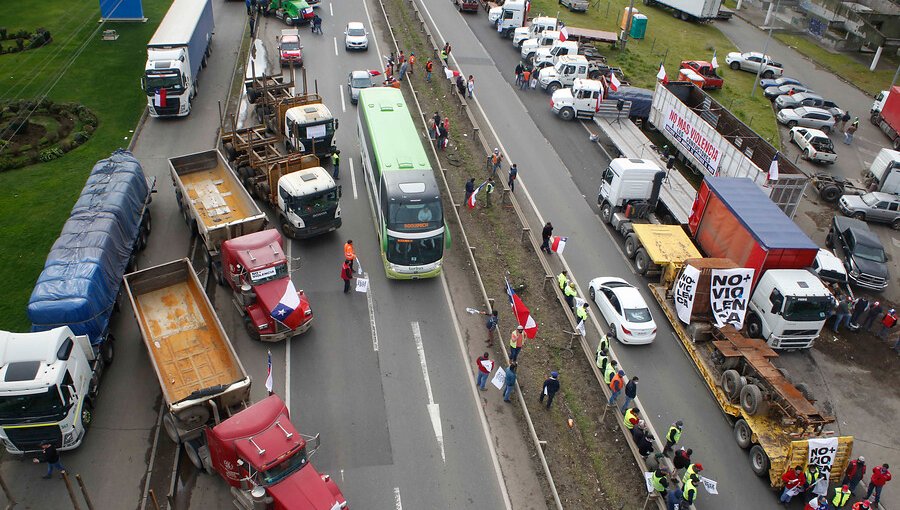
x=860 y=250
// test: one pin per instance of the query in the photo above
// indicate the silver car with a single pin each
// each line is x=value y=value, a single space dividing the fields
x=773 y=92
x=798 y=99
x=356 y=81
x=875 y=206
x=806 y=116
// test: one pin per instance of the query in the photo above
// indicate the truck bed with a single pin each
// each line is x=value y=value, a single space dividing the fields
x=188 y=346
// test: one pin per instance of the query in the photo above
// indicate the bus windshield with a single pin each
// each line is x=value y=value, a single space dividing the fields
x=415 y=216
x=415 y=252
x=313 y=203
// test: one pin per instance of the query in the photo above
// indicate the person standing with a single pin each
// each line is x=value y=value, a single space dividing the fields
x=461 y=85
x=860 y=306
x=632 y=418
x=347 y=274
x=484 y=365
x=51 y=457
x=488 y=191
x=336 y=164
x=682 y=458
x=851 y=129
x=644 y=444
x=551 y=386
x=252 y=24
x=562 y=279
x=492 y=324
x=470 y=86
x=673 y=499
x=516 y=342
x=519 y=70
x=429 y=67
x=817 y=503
x=412 y=63
x=445 y=53
x=871 y=314
x=470 y=188
x=842 y=314
x=630 y=392
x=689 y=493
x=612 y=368
x=581 y=312
x=880 y=476
x=660 y=481
x=513 y=175
x=841 y=496
x=249 y=4
x=496 y=161
x=692 y=470
x=404 y=67
x=673 y=435
x=887 y=322
x=794 y=480
x=616 y=385
x=510 y=381
x=844 y=120
x=349 y=253
x=546 y=234
x=526 y=78
x=856 y=470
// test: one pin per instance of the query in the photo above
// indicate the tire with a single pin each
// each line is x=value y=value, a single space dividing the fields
x=642 y=261
x=87 y=414
x=193 y=417
x=768 y=75
x=805 y=391
x=191 y=451
x=743 y=436
x=606 y=213
x=784 y=373
x=861 y=216
x=685 y=16
x=230 y=153
x=759 y=461
x=806 y=154
x=826 y=129
x=895 y=224
x=754 y=326
x=735 y=65
x=751 y=399
x=874 y=118
x=896 y=144
x=631 y=246
x=593 y=294
x=792 y=124
x=676 y=14
x=171 y=428
x=251 y=329
x=108 y=351
x=567 y=114
x=288 y=229
x=553 y=87
x=732 y=383
x=830 y=193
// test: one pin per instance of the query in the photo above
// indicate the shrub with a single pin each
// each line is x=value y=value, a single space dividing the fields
x=80 y=137
x=52 y=136
x=65 y=145
x=20 y=43
x=3 y=33
x=7 y=163
x=51 y=154
x=33 y=156
x=89 y=129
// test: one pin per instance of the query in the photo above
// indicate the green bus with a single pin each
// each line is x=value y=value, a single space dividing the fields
x=402 y=186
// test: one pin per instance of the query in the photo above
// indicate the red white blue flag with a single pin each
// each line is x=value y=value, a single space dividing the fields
x=558 y=244
x=269 y=382
x=288 y=310
x=563 y=34
x=523 y=315
x=471 y=201
x=614 y=82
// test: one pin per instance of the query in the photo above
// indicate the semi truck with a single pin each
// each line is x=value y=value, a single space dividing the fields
x=581 y=101
x=509 y=16
x=774 y=419
x=535 y=28
x=53 y=373
x=694 y=10
x=198 y=370
x=731 y=218
x=885 y=114
x=175 y=54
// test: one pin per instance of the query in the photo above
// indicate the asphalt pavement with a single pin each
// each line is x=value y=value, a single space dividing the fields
x=562 y=169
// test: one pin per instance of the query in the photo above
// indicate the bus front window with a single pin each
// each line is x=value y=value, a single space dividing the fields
x=415 y=216
x=415 y=252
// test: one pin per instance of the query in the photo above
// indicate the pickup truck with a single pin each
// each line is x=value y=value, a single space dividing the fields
x=860 y=250
x=575 y=5
x=711 y=79
x=815 y=145
x=568 y=68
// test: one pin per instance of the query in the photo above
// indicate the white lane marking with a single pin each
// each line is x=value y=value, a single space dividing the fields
x=484 y=424
x=397 y=504
x=331 y=9
x=434 y=411
x=341 y=93
x=353 y=179
x=371 y=306
x=374 y=38
x=287 y=346
x=335 y=47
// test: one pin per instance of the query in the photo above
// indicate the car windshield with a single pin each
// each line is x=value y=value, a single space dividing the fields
x=283 y=470
x=268 y=274
x=869 y=200
x=154 y=82
x=873 y=253
x=637 y=315
x=800 y=112
x=415 y=216
x=290 y=46
x=313 y=203
x=414 y=252
x=806 y=309
x=356 y=32
x=361 y=83
x=44 y=406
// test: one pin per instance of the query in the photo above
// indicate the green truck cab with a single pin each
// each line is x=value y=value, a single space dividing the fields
x=292 y=12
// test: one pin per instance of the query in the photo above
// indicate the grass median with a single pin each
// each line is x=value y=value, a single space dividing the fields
x=591 y=464
x=37 y=199
x=670 y=40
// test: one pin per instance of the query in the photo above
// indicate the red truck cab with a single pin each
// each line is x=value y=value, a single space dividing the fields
x=256 y=269
x=289 y=48
x=711 y=79
x=261 y=453
x=467 y=5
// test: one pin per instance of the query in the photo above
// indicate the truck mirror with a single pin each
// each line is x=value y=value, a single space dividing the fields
x=776 y=308
x=336 y=123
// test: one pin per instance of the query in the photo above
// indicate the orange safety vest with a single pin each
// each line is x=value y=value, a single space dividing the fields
x=612 y=382
x=348 y=252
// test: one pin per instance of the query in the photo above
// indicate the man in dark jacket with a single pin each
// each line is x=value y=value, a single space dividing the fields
x=470 y=188
x=871 y=315
x=551 y=386
x=858 y=308
x=546 y=234
x=51 y=457
x=347 y=274
x=856 y=470
x=630 y=392
x=645 y=445
x=682 y=458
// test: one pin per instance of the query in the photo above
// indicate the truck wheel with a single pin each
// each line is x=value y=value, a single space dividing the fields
x=109 y=349
x=567 y=114
x=676 y=13
x=642 y=261
x=830 y=193
x=768 y=75
x=759 y=461
x=251 y=329
x=743 y=436
x=190 y=449
x=193 y=417
x=685 y=16
x=896 y=224
x=732 y=383
x=288 y=229
x=553 y=87
x=805 y=391
x=754 y=326
x=735 y=65
x=171 y=428
x=874 y=118
x=606 y=213
x=87 y=414
x=203 y=62
x=631 y=246
x=896 y=144
x=751 y=398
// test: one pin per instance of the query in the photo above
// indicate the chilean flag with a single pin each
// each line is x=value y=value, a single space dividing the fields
x=563 y=34
x=269 y=382
x=288 y=310
x=523 y=315
x=558 y=244
x=661 y=75
x=614 y=82
x=471 y=201
x=159 y=99
x=773 y=168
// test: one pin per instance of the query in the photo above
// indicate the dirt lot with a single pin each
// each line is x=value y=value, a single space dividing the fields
x=591 y=464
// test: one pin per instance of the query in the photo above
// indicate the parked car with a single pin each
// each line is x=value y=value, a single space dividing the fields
x=833 y=109
x=829 y=267
x=799 y=99
x=875 y=206
x=777 y=82
x=806 y=116
x=356 y=37
x=861 y=252
x=773 y=92
x=356 y=81
x=624 y=309
x=752 y=61
x=814 y=144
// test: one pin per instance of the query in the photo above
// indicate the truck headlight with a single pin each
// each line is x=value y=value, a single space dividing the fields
x=337 y=212
x=69 y=438
x=300 y=223
x=307 y=313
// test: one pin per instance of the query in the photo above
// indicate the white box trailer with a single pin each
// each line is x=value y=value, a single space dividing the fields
x=693 y=10
x=697 y=125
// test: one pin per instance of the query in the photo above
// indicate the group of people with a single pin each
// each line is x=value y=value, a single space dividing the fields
x=439 y=130
x=847 y=130
x=579 y=306
x=526 y=76
x=813 y=482
x=860 y=314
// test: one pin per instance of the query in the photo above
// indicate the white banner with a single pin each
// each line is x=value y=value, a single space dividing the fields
x=685 y=290
x=693 y=141
x=729 y=293
x=499 y=379
x=822 y=452
x=362 y=285
x=647 y=476
x=710 y=485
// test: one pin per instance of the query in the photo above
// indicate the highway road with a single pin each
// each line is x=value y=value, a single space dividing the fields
x=561 y=169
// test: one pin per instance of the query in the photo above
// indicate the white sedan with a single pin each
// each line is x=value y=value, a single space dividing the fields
x=624 y=309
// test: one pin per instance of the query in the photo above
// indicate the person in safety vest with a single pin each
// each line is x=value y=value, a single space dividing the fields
x=689 y=493
x=812 y=476
x=693 y=469
x=562 y=279
x=602 y=359
x=349 y=254
x=632 y=417
x=615 y=385
x=673 y=435
x=582 y=312
x=610 y=371
x=841 y=496
x=570 y=294
x=604 y=340
x=660 y=480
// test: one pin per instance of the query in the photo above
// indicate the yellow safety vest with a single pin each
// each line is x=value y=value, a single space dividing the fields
x=676 y=436
x=600 y=358
x=604 y=343
x=689 y=486
x=570 y=291
x=688 y=472
x=629 y=414
x=514 y=338
x=562 y=280
x=608 y=373
x=657 y=482
x=581 y=313
x=840 y=497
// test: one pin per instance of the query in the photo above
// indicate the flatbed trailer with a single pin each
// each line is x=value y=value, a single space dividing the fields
x=198 y=370
x=775 y=427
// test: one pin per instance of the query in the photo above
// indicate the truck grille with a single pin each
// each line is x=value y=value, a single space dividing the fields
x=30 y=438
x=788 y=343
x=171 y=108
x=800 y=332
x=870 y=282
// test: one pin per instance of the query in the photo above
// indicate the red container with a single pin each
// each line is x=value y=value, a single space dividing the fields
x=891 y=110
x=732 y=218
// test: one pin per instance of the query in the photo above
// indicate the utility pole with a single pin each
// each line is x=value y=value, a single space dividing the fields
x=894 y=81
x=765 y=61
x=627 y=25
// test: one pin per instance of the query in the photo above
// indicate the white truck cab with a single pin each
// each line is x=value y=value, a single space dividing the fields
x=310 y=129
x=549 y=56
x=564 y=72
x=545 y=39
x=534 y=29
x=512 y=16
x=788 y=308
x=47 y=388
x=306 y=197
x=581 y=101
